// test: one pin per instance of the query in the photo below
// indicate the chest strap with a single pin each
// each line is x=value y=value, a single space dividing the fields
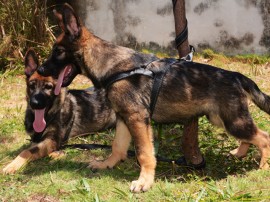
x=138 y=71
x=157 y=83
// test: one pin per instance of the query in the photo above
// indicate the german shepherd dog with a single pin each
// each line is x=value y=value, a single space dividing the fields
x=188 y=90
x=52 y=119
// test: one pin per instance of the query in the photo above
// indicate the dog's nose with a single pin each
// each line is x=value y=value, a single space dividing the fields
x=38 y=101
x=42 y=70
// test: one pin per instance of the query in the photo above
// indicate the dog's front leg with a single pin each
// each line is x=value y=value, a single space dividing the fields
x=141 y=131
x=36 y=151
x=120 y=147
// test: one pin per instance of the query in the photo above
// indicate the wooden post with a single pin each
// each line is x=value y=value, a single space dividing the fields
x=190 y=135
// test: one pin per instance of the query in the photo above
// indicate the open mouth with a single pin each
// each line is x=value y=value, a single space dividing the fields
x=65 y=78
x=39 y=123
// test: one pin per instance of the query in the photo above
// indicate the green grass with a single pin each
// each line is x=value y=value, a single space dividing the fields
x=225 y=178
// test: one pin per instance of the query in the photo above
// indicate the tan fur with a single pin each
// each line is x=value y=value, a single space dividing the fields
x=38 y=151
x=261 y=140
x=241 y=151
x=94 y=53
x=145 y=157
x=120 y=147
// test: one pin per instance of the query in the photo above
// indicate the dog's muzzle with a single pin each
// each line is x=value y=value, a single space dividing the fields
x=38 y=101
x=44 y=71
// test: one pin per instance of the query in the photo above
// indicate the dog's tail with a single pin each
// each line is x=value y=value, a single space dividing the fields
x=257 y=96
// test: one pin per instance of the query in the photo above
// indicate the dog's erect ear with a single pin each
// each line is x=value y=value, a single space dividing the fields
x=69 y=21
x=31 y=62
x=59 y=18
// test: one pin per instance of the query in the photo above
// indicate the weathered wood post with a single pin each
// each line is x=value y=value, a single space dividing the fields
x=190 y=136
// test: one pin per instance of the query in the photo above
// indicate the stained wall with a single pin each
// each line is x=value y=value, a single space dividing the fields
x=228 y=26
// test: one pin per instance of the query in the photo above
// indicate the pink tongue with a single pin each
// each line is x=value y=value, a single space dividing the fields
x=39 y=123
x=59 y=82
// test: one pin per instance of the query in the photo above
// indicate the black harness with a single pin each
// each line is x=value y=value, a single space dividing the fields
x=142 y=70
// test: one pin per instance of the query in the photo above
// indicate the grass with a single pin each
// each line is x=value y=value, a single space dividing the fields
x=225 y=178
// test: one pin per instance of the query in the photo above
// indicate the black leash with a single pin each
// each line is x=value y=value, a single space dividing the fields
x=180 y=161
x=182 y=37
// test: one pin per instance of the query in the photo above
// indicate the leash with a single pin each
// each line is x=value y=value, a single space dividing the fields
x=182 y=37
x=179 y=161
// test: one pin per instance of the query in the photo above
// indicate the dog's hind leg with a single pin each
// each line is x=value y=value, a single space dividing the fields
x=120 y=147
x=241 y=151
x=243 y=127
x=36 y=151
x=262 y=141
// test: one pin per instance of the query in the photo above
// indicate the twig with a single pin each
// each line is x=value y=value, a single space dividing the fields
x=50 y=31
x=3 y=31
x=31 y=41
x=20 y=53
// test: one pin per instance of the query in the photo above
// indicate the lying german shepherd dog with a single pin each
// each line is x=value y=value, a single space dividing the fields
x=186 y=90
x=52 y=119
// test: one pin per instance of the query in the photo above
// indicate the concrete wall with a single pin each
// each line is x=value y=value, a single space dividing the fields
x=229 y=26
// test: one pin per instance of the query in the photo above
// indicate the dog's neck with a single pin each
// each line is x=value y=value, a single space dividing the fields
x=102 y=59
x=58 y=102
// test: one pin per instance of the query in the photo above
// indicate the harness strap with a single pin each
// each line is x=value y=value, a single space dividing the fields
x=158 y=80
x=157 y=84
x=138 y=71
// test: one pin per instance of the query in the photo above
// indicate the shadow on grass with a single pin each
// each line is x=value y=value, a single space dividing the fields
x=218 y=166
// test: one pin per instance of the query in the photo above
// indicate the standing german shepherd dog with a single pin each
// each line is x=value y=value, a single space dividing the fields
x=188 y=90
x=52 y=119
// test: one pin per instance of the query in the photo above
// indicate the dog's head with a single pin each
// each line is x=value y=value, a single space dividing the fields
x=63 y=61
x=40 y=90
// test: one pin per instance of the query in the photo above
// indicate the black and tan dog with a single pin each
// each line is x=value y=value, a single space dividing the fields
x=188 y=90
x=52 y=119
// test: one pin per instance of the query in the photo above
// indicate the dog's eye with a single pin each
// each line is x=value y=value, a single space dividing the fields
x=48 y=86
x=32 y=85
x=59 y=51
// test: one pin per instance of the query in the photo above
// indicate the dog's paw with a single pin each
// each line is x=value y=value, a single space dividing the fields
x=11 y=168
x=238 y=153
x=142 y=184
x=264 y=165
x=57 y=155
x=99 y=165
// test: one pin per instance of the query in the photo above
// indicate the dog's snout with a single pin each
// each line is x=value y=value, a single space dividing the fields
x=38 y=101
x=43 y=70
